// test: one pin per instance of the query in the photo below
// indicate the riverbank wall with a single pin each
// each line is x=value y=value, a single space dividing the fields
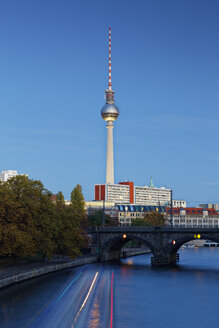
x=13 y=279
x=44 y=270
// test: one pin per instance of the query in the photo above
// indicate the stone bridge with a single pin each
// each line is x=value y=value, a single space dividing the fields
x=164 y=242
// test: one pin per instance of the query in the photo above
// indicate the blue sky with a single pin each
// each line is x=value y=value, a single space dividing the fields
x=165 y=73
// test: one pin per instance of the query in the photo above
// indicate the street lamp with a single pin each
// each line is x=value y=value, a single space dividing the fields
x=171 y=208
x=103 y=218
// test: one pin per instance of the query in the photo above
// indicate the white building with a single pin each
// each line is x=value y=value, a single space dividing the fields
x=179 y=203
x=127 y=193
x=117 y=193
x=195 y=217
x=7 y=174
x=152 y=196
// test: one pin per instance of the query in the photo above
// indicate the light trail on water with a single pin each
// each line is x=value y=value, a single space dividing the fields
x=111 y=314
x=68 y=287
x=86 y=298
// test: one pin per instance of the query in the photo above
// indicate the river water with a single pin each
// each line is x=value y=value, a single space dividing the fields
x=185 y=295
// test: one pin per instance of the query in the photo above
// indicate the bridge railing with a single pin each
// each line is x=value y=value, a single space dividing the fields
x=154 y=228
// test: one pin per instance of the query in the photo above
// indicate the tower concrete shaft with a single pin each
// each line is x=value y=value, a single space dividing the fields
x=109 y=155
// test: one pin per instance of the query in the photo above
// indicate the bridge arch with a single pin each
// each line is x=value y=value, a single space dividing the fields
x=180 y=241
x=111 y=248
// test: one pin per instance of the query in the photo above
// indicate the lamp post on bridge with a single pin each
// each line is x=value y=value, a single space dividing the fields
x=171 y=208
x=103 y=218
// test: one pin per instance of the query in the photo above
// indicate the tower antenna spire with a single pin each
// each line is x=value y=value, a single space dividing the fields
x=110 y=82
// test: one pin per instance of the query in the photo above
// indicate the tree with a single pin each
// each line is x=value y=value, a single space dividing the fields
x=69 y=237
x=150 y=219
x=71 y=220
x=78 y=203
x=140 y=222
x=60 y=201
x=31 y=223
x=96 y=219
x=26 y=218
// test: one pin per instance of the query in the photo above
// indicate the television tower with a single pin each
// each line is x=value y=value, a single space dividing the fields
x=109 y=113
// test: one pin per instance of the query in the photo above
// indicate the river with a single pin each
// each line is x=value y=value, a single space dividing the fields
x=126 y=294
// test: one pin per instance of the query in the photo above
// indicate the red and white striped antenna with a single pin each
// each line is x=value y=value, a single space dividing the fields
x=110 y=82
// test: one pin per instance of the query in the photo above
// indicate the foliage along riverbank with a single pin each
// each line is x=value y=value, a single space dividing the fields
x=32 y=223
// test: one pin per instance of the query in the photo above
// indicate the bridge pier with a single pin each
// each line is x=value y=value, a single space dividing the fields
x=108 y=256
x=164 y=259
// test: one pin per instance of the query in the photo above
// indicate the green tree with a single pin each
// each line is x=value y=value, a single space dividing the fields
x=26 y=218
x=78 y=203
x=60 y=201
x=140 y=222
x=150 y=219
x=70 y=236
x=32 y=223
x=71 y=220
x=96 y=219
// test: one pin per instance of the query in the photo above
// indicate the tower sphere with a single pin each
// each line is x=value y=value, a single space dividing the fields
x=109 y=112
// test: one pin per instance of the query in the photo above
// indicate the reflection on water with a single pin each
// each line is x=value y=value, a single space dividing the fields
x=184 y=295
x=95 y=315
x=130 y=261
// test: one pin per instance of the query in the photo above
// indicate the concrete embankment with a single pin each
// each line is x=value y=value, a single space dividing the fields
x=13 y=279
x=44 y=270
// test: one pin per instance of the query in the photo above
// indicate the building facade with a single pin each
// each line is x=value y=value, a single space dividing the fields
x=117 y=193
x=127 y=193
x=179 y=203
x=7 y=174
x=193 y=217
x=128 y=213
x=214 y=206
x=124 y=213
x=181 y=217
x=145 y=195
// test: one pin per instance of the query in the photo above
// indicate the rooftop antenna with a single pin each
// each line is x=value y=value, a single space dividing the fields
x=151 y=183
x=110 y=82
